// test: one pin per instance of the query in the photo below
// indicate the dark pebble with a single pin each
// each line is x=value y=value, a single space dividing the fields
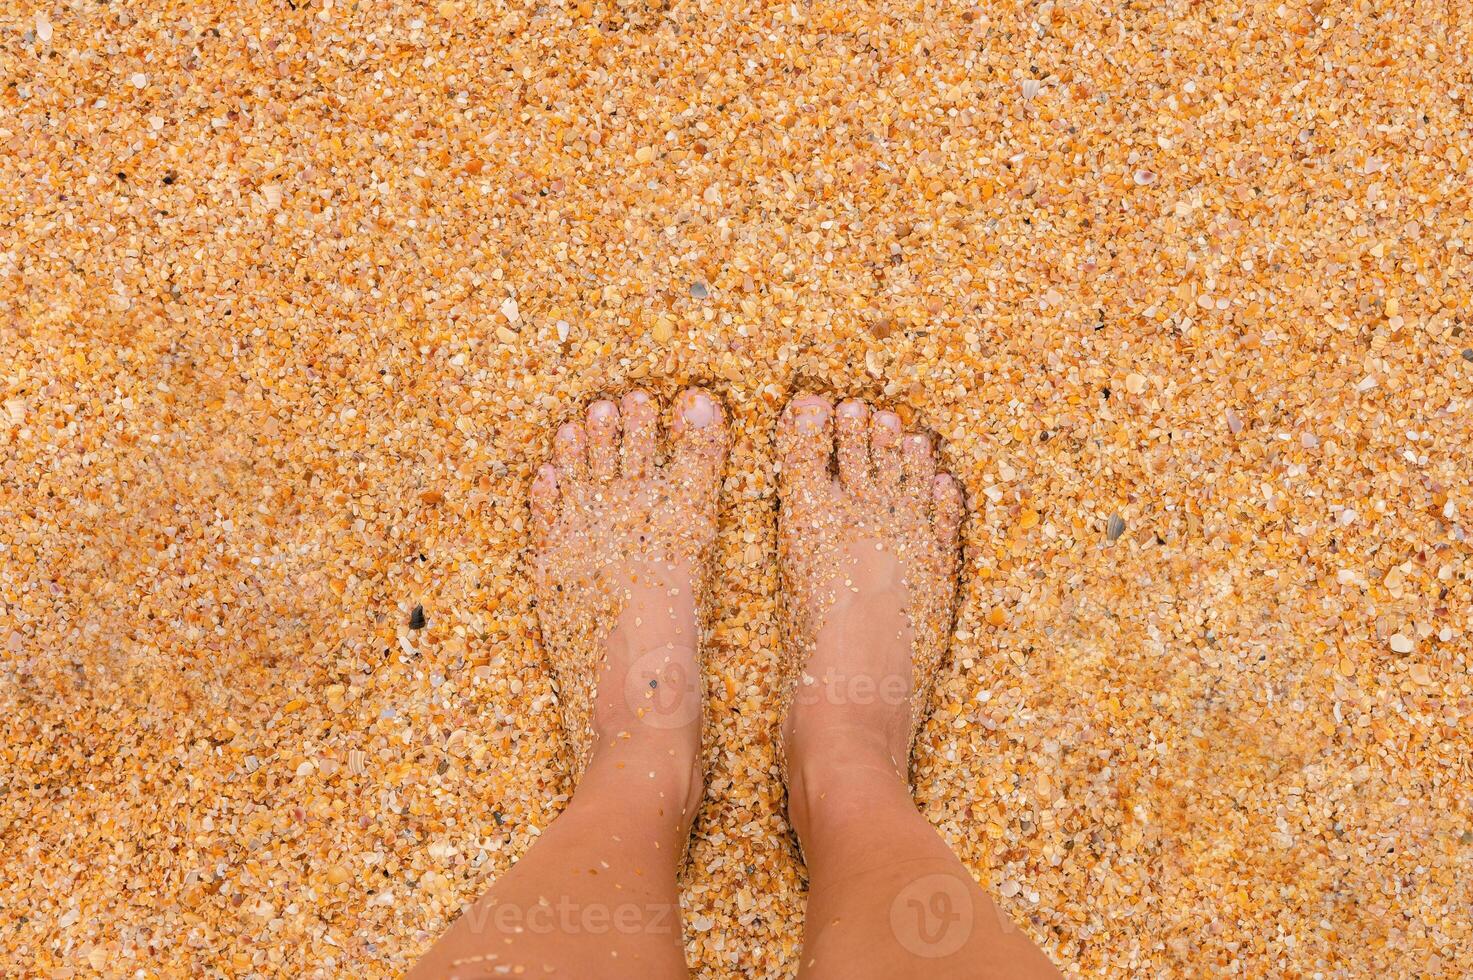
x=417 y=618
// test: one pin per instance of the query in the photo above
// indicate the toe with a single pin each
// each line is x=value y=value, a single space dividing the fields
x=639 y=434
x=917 y=464
x=852 y=427
x=947 y=509
x=698 y=436
x=545 y=503
x=806 y=443
x=570 y=451
x=603 y=439
x=884 y=447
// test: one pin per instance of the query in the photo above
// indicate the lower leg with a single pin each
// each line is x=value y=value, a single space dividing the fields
x=887 y=897
x=597 y=894
x=620 y=544
x=869 y=561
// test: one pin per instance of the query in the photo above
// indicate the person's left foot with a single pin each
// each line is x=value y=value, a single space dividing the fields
x=620 y=551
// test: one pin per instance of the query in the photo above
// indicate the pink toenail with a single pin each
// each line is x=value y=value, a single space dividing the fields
x=547 y=474
x=920 y=443
x=568 y=432
x=601 y=411
x=638 y=397
x=699 y=410
x=889 y=420
x=810 y=417
x=852 y=409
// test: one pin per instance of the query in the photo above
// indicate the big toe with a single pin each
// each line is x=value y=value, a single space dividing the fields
x=570 y=452
x=806 y=445
x=698 y=444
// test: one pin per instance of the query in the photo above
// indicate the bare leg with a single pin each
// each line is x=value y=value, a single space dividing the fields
x=869 y=561
x=621 y=545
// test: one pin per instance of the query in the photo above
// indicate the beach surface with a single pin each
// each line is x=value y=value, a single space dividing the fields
x=294 y=293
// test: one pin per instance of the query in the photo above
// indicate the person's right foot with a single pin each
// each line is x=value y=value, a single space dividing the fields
x=868 y=548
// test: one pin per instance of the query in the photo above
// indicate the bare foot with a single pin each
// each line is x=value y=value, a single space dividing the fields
x=621 y=545
x=867 y=539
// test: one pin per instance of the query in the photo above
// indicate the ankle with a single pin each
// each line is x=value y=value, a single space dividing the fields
x=836 y=774
x=663 y=768
x=852 y=701
x=835 y=748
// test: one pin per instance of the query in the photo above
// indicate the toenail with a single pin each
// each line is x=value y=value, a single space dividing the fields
x=568 y=432
x=547 y=474
x=889 y=420
x=699 y=410
x=601 y=410
x=917 y=442
x=638 y=397
x=852 y=409
x=810 y=418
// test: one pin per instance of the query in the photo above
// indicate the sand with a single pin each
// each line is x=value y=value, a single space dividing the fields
x=292 y=295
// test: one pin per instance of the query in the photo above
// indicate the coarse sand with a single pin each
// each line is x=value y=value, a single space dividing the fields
x=294 y=292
